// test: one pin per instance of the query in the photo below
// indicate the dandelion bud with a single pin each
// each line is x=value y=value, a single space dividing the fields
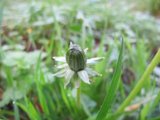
x=75 y=63
x=76 y=58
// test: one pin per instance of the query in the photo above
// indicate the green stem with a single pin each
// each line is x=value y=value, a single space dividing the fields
x=78 y=95
x=141 y=82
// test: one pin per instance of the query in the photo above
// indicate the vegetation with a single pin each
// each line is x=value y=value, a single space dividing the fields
x=34 y=31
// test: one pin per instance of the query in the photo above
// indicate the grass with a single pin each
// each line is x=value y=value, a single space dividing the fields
x=40 y=30
x=141 y=82
x=110 y=96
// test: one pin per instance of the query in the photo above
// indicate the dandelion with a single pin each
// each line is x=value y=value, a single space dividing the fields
x=75 y=63
x=29 y=30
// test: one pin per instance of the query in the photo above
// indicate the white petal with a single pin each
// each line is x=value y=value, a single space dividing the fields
x=61 y=73
x=85 y=50
x=60 y=59
x=69 y=74
x=62 y=66
x=71 y=44
x=92 y=72
x=94 y=60
x=84 y=76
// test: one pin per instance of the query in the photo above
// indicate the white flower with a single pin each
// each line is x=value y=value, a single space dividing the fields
x=76 y=64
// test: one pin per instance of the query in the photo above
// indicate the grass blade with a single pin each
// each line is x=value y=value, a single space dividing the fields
x=109 y=98
x=16 y=111
x=30 y=109
x=141 y=82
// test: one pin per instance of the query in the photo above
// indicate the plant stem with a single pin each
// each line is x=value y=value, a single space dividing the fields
x=141 y=82
x=79 y=95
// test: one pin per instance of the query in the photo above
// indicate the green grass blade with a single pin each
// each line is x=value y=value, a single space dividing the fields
x=156 y=101
x=109 y=98
x=16 y=111
x=141 y=82
x=30 y=109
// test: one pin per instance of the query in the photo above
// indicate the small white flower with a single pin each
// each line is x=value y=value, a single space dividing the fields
x=76 y=64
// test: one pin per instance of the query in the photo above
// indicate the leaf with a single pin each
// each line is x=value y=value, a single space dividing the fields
x=109 y=98
x=16 y=92
x=10 y=94
x=21 y=59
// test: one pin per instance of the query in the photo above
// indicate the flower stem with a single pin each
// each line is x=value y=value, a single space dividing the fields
x=79 y=95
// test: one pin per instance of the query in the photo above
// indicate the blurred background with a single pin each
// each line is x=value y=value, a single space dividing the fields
x=33 y=31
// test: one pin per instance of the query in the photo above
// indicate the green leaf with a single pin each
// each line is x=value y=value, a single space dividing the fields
x=11 y=93
x=109 y=98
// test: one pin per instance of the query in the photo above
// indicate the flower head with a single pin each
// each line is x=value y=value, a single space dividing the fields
x=75 y=63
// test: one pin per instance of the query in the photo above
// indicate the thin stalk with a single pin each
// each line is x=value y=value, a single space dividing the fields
x=16 y=111
x=141 y=82
x=79 y=95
